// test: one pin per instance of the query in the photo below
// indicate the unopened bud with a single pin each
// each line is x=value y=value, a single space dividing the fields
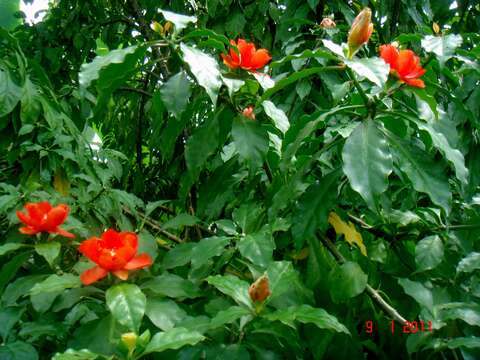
x=155 y=26
x=130 y=341
x=328 y=23
x=260 y=289
x=360 y=31
x=167 y=27
x=436 y=28
x=248 y=112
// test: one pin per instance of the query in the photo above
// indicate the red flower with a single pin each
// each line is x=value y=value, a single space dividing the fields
x=115 y=252
x=248 y=58
x=404 y=64
x=42 y=217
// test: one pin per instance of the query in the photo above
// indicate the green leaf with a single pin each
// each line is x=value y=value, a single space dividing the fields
x=429 y=253
x=178 y=256
x=180 y=21
x=10 y=92
x=257 y=247
x=367 y=162
x=335 y=48
x=374 y=69
x=173 y=286
x=277 y=115
x=9 y=316
x=205 y=69
x=306 y=54
x=462 y=342
x=8 y=271
x=313 y=207
x=346 y=281
x=6 y=248
x=233 y=85
x=470 y=313
x=181 y=220
x=49 y=250
x=112 y=65
x=232 y=286
x=307 y=314
x=442 y=46
x=202 y=144
x=8 y=9
x=469 y=263
x=55 y=283
x=228 y=316
x=418 y=291
x=173 y=339
x=71 y=354
x=127 y=304
x=164 y=314
x=175 y=93
x=207 y=248
x=19 y=288
x=18 y=350
x=425 y=174
x=250 y=139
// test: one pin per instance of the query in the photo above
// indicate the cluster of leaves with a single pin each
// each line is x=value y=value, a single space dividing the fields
x=141 y=129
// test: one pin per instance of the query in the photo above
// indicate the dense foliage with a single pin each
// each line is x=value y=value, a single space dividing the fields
x=169 y=190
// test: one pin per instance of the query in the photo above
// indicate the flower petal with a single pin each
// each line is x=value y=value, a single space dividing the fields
x=62 y=232
x=91 y=248
x=91 y=275
x=139 y=262
x=24 y=218
x=389 y=54
x=415 y=82
x=57 y=215
x=121 y=274
x=260 y=59
x=28 y=230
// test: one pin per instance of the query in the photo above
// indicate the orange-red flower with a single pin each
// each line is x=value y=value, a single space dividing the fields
x=114 y=252
x=248 y=57
x=42 y=217
x=360 y=31
x=404 y=64
x=248 y=112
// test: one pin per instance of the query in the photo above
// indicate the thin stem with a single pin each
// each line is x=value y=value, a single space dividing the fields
x=358 y=87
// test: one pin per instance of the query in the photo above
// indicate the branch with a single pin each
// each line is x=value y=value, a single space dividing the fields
x=370 y=291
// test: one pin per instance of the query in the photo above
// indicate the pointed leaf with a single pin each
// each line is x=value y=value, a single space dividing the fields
x=175 y=93
x=180 y=21
x=250 y=139
x=127 y=304
x=346 y=281
x=173 y=339
x=442 y=46
x=429 y=253
x=374 y=69
x=232 y=286
x=277 y=115
x=49 y=250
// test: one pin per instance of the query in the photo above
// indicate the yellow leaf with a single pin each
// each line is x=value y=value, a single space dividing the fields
x=61 y=183
x=348 y=230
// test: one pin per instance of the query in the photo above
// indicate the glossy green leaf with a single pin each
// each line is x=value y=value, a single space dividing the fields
x=175 y=93
x=228 y=316
x=9 y=316
x=49 y=250
x=307 y=314
x=180 y=221
x=425 y=174
x=470 y=313
x=71 y=354
x=313 y=207
x=429 y=253
x=277 y=115
x=127 y=304
x=173 y=286
x=10 y=92
x=6 y=248
x=250 y=139
x=469 y=263
x=173 y=339
x=8 y=271
x=164 y=314
x=374 y=69
x=205 y=70
x=232 y=286
x=180 y=255
x=367 y=161
x=207 y=248
x=346 y=281
x=257 y=247
x=418 y=291
x=56 y=283
x=18 y=350
x=442 y=46
x=307 y=54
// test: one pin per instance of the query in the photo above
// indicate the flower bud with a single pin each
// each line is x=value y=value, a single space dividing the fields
x=360 y=31
x=436 y=28
x=167 y=27
x=130 y=341
x=259 y=290
x=155 y=26
x=248 y=112
x=328 y=23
